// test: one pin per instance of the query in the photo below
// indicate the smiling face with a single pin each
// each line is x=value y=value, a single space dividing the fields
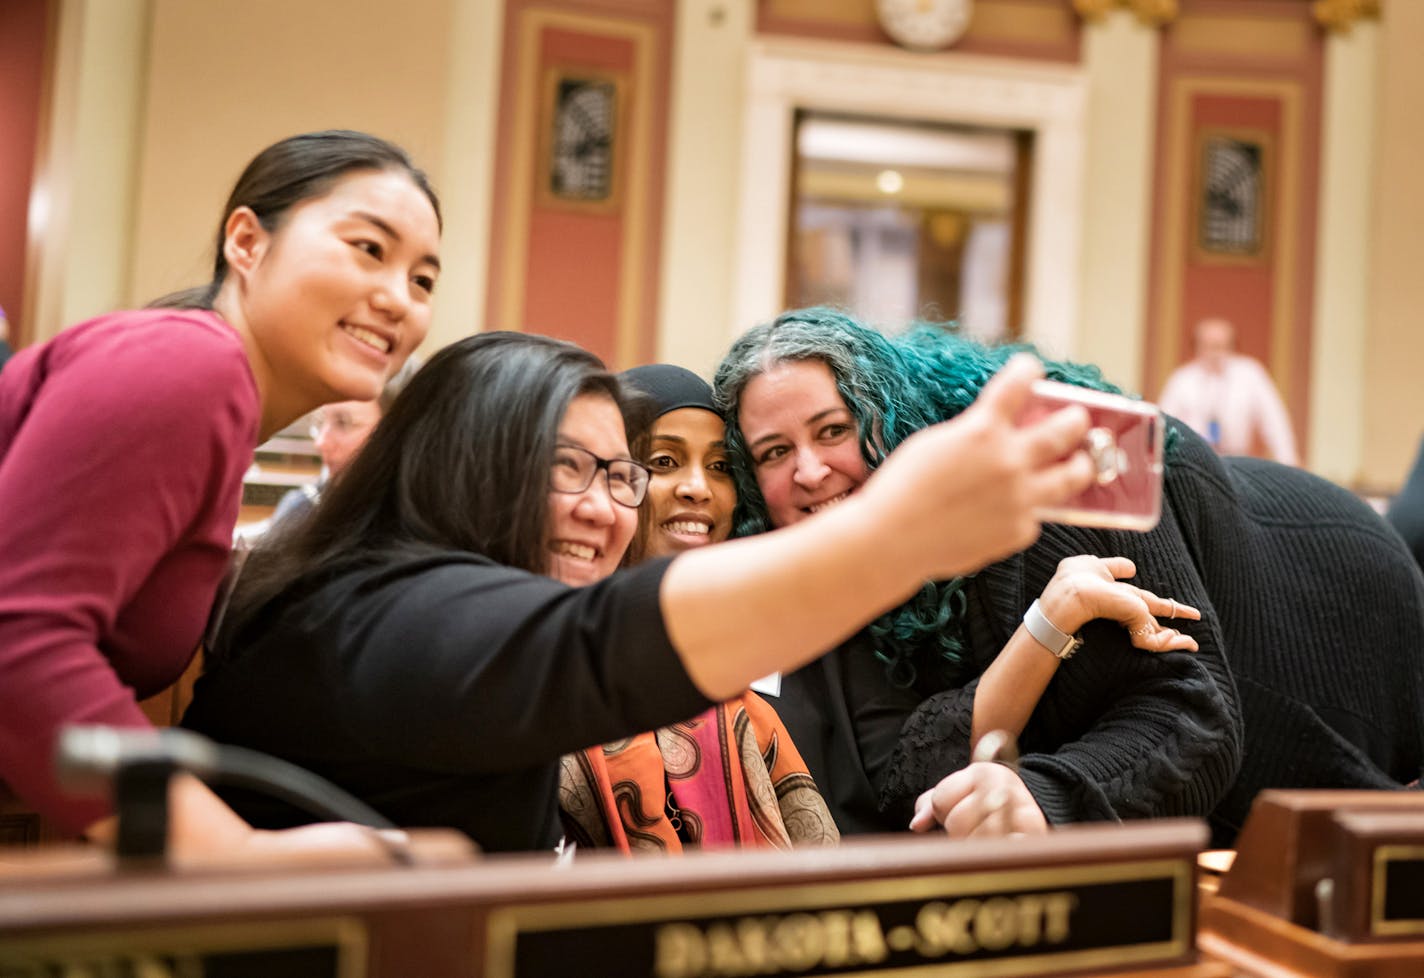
x=690 y=496
x=588 y=531
x=803 y=440
x=336 y=298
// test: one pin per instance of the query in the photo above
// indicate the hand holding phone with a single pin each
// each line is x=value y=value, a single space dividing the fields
x=1125 y=444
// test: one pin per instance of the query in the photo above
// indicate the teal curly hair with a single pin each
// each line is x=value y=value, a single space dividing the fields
x=893 y=386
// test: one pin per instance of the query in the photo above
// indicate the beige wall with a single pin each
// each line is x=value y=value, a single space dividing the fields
x=1340 y=314
x=1394 y=351
x=466 y=169
x=1120 y=61
x=700 y=217
x=157 y=104
x=227 y=77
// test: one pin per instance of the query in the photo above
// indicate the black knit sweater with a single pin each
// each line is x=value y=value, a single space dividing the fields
x=1310 y=670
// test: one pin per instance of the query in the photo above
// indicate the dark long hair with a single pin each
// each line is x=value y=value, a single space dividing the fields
x=461 y=462
x=291 y=172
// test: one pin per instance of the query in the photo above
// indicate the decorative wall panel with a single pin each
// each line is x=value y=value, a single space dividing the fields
x=1236 y=187
x=24 y=44
x=580 y=172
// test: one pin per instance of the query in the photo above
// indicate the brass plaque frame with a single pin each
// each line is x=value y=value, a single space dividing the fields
x=506 y=923
x=346 y=935
x=1379 y=925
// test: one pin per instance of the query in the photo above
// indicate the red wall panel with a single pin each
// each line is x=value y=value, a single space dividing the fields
x=24 y=34
x=583 y=271
x=1251 y=69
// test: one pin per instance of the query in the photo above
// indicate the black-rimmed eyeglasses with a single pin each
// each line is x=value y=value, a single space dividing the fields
x=574 y=469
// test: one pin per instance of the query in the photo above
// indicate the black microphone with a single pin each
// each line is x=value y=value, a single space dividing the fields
x=138 y=763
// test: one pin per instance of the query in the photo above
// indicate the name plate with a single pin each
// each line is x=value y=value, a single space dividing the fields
x=1295 y=839
x=1377 y=877
x=1398 y=903
x=325 y=948
x=1013 y=922
x=1092 y=897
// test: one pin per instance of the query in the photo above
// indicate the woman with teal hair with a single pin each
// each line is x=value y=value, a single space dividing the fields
x=1293 y=576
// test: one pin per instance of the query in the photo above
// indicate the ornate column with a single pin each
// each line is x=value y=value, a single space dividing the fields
x=82 y=211
x=1339 y=16
x=1343 y=256
x=1120 y=53
x=1151 y=13
x=467 y=168
x=696 y=321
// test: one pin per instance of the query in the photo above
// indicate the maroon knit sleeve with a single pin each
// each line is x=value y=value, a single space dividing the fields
x=122 y=442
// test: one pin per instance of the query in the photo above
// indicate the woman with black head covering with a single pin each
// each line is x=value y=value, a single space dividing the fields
x=729 y=776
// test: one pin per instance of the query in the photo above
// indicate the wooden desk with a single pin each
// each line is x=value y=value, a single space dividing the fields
x=1295 y=903
x=902 y=906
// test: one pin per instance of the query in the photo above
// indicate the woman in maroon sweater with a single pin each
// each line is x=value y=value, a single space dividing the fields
x=124 y=439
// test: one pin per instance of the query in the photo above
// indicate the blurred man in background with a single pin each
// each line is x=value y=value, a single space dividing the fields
x=1229 y=398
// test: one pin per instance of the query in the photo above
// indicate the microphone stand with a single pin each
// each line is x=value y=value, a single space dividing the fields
x=138 y=765
x=141 y=802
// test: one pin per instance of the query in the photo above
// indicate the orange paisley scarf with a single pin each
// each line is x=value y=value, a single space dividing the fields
x=727 y=777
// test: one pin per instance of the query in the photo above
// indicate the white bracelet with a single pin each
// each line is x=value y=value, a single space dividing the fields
x=1049 y=635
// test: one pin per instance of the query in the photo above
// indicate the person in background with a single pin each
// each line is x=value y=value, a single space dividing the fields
x=1307 y=655
x=729 y=776
x=1406 y=510
x=453 y=619
x=1228 y=398
x=124 y=439
x=691 y=496
x=5 y=351
x=338 y=431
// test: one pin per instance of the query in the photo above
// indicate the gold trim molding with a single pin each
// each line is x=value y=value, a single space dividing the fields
x=1335 y=16
x=1339 y=16
x=1151 y=13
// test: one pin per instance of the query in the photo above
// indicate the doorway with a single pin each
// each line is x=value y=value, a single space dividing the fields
x=896 y=220
x=786 y=77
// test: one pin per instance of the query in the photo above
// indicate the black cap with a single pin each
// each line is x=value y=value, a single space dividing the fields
x=670 y=387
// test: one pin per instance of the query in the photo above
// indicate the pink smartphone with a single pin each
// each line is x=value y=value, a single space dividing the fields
x=1125 y=444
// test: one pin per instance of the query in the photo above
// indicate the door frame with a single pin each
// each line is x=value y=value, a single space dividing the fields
x=787 y=75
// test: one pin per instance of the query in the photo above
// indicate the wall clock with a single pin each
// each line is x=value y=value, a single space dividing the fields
x=924 y=25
